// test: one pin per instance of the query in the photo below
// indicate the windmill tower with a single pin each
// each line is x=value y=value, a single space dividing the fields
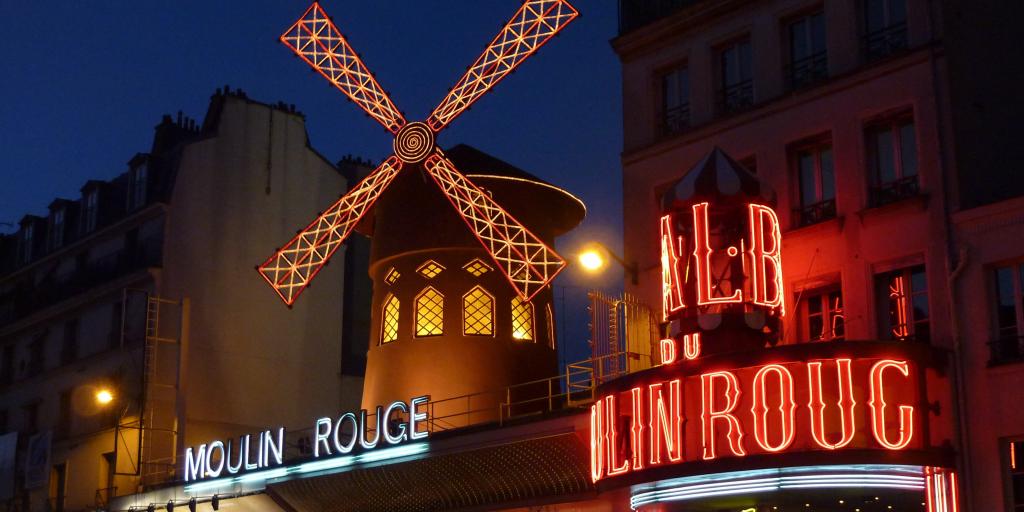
x=416 y=237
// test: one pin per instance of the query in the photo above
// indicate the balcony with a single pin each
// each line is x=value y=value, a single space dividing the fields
x=676 y=119
x=817 y=212
x=634 y=14
x=28 y=299
x=896 y=190
x=885 y=41
x=736 y=97
x=807 y=71
x=1006 y=350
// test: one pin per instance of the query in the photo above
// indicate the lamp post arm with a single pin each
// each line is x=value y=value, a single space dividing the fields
x=631 y=268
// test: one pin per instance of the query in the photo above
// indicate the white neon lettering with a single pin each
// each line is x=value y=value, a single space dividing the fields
x=417 y=417
x=403 y=433
x=365 y=443
x=232 y=469
x=210 y=472
x=345 y=448
x=321 y=436
x=273 y=449
x=195 y=463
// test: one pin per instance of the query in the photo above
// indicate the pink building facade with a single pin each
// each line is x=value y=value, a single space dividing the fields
x=845 y=108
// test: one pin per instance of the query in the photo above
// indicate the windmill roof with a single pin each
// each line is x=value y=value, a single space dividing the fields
x=717 y=177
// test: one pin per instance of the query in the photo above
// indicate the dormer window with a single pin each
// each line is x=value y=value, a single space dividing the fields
x=140 y=181
x=90 y=210
x=57 y=228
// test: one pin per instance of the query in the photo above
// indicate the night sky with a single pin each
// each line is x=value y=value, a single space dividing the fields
x=84 y=83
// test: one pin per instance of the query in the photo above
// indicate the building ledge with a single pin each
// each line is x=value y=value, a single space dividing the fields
x=916 y=203
x=832 y=226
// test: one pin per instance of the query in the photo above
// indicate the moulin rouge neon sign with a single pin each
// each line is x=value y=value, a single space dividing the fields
x=395 y=424
x=827 y=404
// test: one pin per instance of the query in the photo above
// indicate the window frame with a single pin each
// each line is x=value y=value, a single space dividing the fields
x=531 y=314
x=384 y=318
x=822 y=296
x=137 y=196
x=902 y=185
x=816 y=62
x=666 y=128
x=1005 y=348
x=743 y=89
x=416 y=314
x=822 y=209
x=57 y=227
x=491 y=315
x=911 y=322
x=90 y=210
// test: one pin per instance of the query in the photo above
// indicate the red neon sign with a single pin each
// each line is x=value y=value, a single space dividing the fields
x=671 y=285
x=786 y=407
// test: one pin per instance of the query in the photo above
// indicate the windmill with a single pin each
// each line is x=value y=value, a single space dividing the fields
x=527 y=262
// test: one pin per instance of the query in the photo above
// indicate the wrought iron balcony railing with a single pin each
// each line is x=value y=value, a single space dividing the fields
x=817 y=212
x=676 y=119
x=1006 y=349
x=885 y=41
x=808 y=70
x=736 y=97
x=895 y=190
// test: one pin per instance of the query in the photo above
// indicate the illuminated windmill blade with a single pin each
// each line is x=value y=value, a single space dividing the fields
x=530 y=27
x=527 y=261
x=291 y=268
x=318 y=41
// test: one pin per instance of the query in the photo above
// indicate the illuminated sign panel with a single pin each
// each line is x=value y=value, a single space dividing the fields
x=863 y=403
x=395 y=424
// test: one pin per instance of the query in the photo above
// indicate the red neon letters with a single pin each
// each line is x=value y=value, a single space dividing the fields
x=765 y=256
x=702 y=252
x=766 y=401
x=671 y=285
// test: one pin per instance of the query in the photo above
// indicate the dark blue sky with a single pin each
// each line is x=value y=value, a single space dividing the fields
x=85 y=82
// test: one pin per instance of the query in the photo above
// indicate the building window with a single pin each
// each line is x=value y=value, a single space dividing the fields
x=27 y=242
x=476 y=267
x=30 y=414
x=522 y=319
x=90 y=211
x=675 y=100
x=1016 y=474
x=816 y=178
x=57 y=229
x=58 y=487
x=1009 y=315
x=69 y=347
x=478 y=313
x=391 y=276
x=736 y=75
x=429 y=313
x=64 y=415
x=822 y=317
x=892 y=154
x=116 y=316
x=430 y=269
x=3 y=422
x=37 y=355
x=389 y=319
x=140 y=182
x=808 y=58
x=7 y=365
x=885 y=27
x=903 y=300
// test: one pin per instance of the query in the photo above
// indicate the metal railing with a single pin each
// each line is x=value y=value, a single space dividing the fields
x=885 y=41
x=676 y=119
x=808 y=70
x=895 y=190
x=1006 y=349
x=817 y=212
x=736 y=97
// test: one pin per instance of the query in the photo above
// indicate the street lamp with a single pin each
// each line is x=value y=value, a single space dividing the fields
x=595 y=255
x=104 y=396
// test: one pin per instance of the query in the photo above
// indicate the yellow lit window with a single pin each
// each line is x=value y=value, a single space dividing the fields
x=478 y=313
x=392 y=276
x=429 y=313
x=430 y=269
x=522 y=319
x=477 y=267
x=389 y=320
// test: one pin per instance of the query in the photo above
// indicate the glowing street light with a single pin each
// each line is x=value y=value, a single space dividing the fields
x=594 y=257
x=591 y=259
x=104 y=397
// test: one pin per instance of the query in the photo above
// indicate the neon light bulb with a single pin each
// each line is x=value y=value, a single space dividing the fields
x=816 y=406
x=615 y=466
x=878 y=404
x=786 y=408
x=665 y=420
x=668 y=350
x=597 y=440
x=709 y=414
x=671 y=285
x=702 y=251
x=691 y=346
x=766 y=258
x=636 y=442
